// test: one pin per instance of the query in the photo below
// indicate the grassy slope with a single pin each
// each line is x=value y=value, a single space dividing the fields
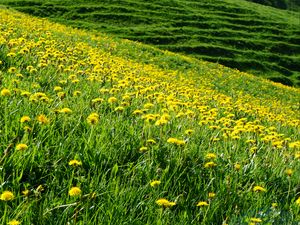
x=223 y=107
x=253 y=38
x=281 y=4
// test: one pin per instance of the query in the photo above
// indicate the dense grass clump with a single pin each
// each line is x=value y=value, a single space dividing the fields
x=236 y=33
x=97 y=130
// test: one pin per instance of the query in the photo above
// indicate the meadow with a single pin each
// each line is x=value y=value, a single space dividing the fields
x=250 y=37
x=99 y=130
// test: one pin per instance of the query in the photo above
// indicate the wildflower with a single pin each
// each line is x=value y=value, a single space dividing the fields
x=43 y=119
x=211 y=194
x=5 y=92
x=119 y=109
x=93 y=118
x=143 y=149
x=137 y=112
x=210 y=165
x=259 y=189
x=57 y=88
x=155 y=183
x=97 y=100
x=25 y=119
x=65 y=110
x=255 y=220
x=25 y=192
x=14 y=222
x=202 y=203
x=7 y=196
x=40 y=188
x=21 y=147
x=112 y=100
x=274 y=205
x=298 y=201
x=189 y=132
x=151 y=141
x=75 y=162
x=175 y=141
x=75 y=191
x=237 y=166
x=210 y=156
x=76 y=93
x=289 y=172
x=165 y=203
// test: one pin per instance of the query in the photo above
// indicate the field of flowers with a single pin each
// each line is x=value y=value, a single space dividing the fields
x=96 y=130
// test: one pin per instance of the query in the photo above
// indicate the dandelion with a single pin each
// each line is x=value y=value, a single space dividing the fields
x=14 y=222
x=21 y=147
x=112 y=100
x=5 y=92
x=137 y=112
x=211 y=194
x=165 y=203
x=237 y=166
x=65 y=110
x=155 y=183
x=298 y=201
x=119 y=109
x=25 y=119
x=151 y=141
x=25 y=192
x=189 y=132
x=75 y=191
x=259 y=189
x=274 y=205
x=255 y=220
x=93 y=118
x=43 y=119
x=175 y=141
x=143 y=149
x=75 y=162
x=202 y=204
x=7 y=196
x=210 y=156
x=210 y=165
x=289 y=172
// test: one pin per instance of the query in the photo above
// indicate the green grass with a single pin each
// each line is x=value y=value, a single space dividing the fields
x=239 y=34
x=281 y=4
x=47 y=67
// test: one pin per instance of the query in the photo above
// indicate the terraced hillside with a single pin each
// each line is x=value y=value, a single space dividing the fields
x=239 y=34
x=281 y=4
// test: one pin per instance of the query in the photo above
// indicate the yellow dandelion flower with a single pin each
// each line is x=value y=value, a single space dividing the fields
x=274 y=204
x=165 y=203
x=119 y=109
x=237 y=166
x=255 y=220
x=75 y=162
x=5 y=92
x=202 y=203
x=93 y=118
x=176 y=141
x=14 y=222
x=75 y=191
x=65 y=110
x=210 y=165
x=57 y=88
x=112 y=100
x=289 y=172
x=211 y=194
x=155 y=183
x=7 y=196
x=137 y=112
x=259 y=189
x=25 y=192
x=143 y=149
x=298 y=201
x=21 y=147
x=151 y=141
x=76 y=93
x=189 y=132
x=25 y=119
x=43 y=119
x=210 y=156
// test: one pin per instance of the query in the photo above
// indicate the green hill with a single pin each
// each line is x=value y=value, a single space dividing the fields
x=99 y=130
x=281 y=4
x=239 y=34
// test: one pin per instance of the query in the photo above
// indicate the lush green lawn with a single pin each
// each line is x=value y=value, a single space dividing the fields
x=98 y=130
x=281 y=4
x=247 y=36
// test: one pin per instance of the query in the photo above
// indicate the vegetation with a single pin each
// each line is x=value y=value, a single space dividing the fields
x=97 y=130
x=239 y=34
x=281 y=4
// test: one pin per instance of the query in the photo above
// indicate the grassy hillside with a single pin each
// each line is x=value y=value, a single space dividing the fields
x=98 y=130
x=281 y=4
x=239 y=34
